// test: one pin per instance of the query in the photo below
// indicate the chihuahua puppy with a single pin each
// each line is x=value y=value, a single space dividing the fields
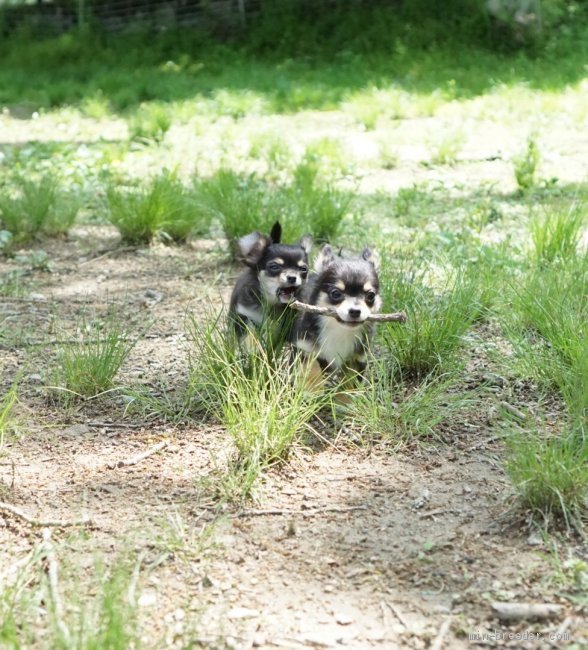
x=275 y=276
x=350 y=287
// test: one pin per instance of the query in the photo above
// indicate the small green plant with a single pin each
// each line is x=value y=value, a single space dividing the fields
x=162 y=206
x=557 y=235
x=150 y=122
x=259 y=395
x=88 y=366
x=525 y=166
x=36 y=208
x=551 y=473
x=438 y=317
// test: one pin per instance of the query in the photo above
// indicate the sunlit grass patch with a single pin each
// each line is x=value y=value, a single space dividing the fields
x=557 y=234
x=238 y=103
x=34 y=208
x=245 y=203
x=88 y=365
x=259 y=395
x=547 y=328
x=445 y=149
x=151 y=122
x=369 y=107
x=161 y=206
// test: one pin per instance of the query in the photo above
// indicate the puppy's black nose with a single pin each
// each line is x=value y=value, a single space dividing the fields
x=291 y=279
x=355 y=313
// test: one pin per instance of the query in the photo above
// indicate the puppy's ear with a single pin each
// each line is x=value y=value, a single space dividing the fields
x=370 y=256
x=306 y=243
x=324 y=259
x=252 y=246
x=276 y=233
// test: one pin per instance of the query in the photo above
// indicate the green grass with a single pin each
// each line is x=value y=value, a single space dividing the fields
x=440 y=310
x=259 y=396
x=390 y=409
x=307 y=204
x=557 y=235
x=88 y=366
x=7 y=403
x=33 y=208
x=150 y=122
x=161 y=207
x=551 y=474
x=525 y=166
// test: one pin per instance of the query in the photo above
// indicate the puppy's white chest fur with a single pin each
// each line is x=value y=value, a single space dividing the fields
x=337 y=342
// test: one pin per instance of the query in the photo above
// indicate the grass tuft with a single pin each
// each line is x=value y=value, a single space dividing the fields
x=525 y=166
x=396 y=411
x=36 y=208
x=439 y=310
x=162 y=206
x=259 y=396
x=551 y=473
x=150 y=122
x=88 y=366
x=557 y=235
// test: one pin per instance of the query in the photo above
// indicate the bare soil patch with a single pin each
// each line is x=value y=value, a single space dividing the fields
x=345 y=546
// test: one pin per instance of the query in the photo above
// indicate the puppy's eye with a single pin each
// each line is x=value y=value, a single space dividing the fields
x=304 y=270
x=336 y=295
x=273 y=267
x=370 y=297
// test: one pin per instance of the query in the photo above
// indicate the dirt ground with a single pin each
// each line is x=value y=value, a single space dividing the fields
x=345 y=546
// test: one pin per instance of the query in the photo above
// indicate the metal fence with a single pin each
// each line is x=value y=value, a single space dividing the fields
x=55 y=16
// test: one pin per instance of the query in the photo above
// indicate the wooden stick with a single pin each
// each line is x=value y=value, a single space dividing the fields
x=41 y=523
x=397 y=317
x=277 y=512
x=523 y=611
x=139 y=457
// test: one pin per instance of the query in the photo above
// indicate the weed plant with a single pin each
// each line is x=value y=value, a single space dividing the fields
x=162 y=206
x=87 y=367
x=36 y=208
x=525 y=166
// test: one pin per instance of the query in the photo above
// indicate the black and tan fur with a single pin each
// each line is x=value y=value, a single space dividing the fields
x=276 y=272
x=350 y=287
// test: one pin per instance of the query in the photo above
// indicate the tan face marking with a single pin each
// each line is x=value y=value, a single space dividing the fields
x=340 y=285
x=301 y=263
x=368 y=286
x=278 y=260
